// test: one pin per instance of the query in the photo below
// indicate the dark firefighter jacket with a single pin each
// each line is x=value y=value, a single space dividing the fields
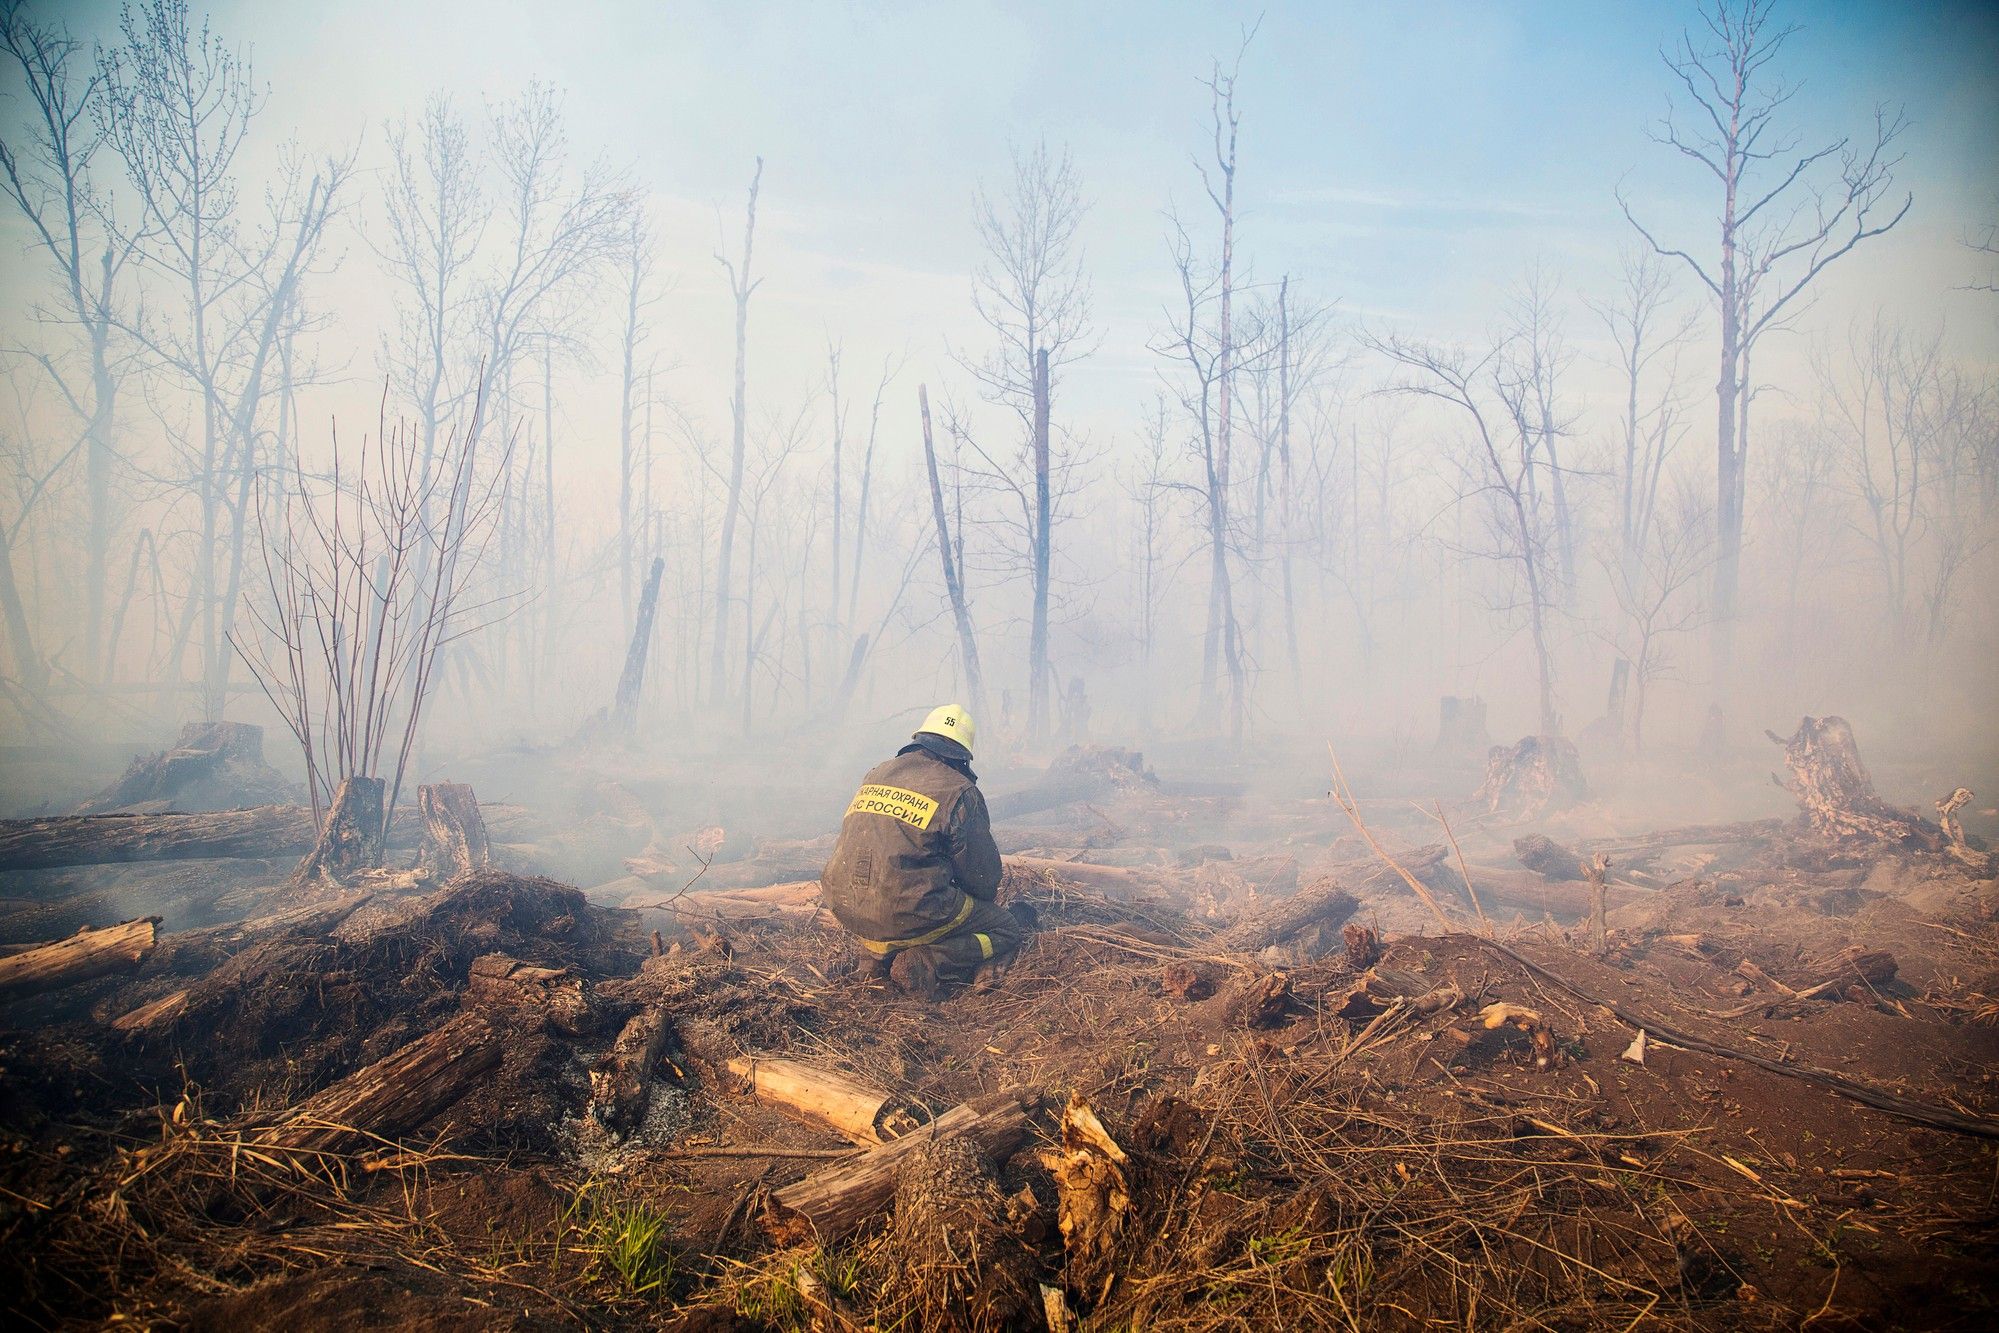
x=915 y=848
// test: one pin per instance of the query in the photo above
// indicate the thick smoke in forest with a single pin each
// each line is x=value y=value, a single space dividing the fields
x=458 y=451
x=1263 y=403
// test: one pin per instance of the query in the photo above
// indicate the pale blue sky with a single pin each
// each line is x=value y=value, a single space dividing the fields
x=1408 y=161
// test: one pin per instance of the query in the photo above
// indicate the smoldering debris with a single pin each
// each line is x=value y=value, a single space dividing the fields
x=1223 y=1065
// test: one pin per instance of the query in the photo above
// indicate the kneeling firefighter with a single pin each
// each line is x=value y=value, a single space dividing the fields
x=914 y=873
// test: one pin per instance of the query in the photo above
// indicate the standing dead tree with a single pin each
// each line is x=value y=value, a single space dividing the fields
x=1203 y=338
x=1782 y=224
x=1658 y=598
x=741 y=287
x=1489 y=389
x=1643 y=328
x=1032 y=293
x=1901 y=422
x=636 y=279
x=954 y=584
x=364 y=580
x=47 y=170
x=177 y=109
x=435 y=212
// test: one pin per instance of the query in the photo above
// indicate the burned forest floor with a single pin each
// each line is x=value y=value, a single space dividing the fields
x=1465 y=1047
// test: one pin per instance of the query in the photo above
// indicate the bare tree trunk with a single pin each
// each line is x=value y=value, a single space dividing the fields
x=1037 y=651
x=1287 y=499
x=624 y=710
x=968 y=647
x=34 y=672
x=743 y=287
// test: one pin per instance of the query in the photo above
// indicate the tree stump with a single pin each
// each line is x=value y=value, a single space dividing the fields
x=454 y=832
x=1461 y=733
x=212 y=766
x=1837 y=795
x=350 y=841
x=1536 y=776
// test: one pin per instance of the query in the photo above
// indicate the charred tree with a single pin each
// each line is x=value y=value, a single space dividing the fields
x=351 y=839
x=625 y=708
x=454 y=832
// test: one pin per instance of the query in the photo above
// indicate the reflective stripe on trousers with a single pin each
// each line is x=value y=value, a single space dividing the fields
x=883 y=948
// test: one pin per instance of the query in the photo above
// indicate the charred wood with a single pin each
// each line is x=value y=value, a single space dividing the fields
x=83 y=956
x=837 y=1200
x=398 y=1093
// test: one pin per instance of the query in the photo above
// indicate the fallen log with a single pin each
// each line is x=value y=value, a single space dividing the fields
x=855 y=1110
x=1688 y=835
x=835 y=1201
x=1501 y=889
x=86 y=840
x=1306 y=924
x=157 y=1014
x=84 y=955
x=397 y=1093
x=1089 y=874
x=621 y=1080
x=1548 y=858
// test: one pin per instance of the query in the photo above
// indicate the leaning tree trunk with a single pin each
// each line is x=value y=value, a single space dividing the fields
x=351 y=840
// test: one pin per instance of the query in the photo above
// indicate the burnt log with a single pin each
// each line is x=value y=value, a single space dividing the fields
x=1307 y=924
x=83 y=956
x=397 y=1093
x=857 y=1111
x=836 y=1201
x=88 y=840
x=552 y=996
x=454 y=832
x=1548 y=858
x=621 y=1080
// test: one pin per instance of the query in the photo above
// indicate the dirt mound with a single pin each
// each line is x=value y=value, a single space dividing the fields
x=291 y=1012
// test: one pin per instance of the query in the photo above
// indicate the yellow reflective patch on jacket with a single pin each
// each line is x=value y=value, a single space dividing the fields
x=910 y=807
